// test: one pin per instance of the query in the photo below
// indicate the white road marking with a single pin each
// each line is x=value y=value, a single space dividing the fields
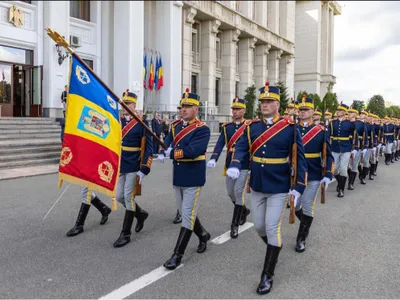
x=226 y=236
x=51 y=208
x=137 y=284
x=147 y=279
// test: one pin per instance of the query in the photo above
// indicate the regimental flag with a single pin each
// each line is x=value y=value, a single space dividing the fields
x=156 y=77
x=151 y=75
x=91 y=148
x=160 y=75
x=144 y=70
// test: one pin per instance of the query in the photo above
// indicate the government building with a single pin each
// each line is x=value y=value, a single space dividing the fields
x=215 y=48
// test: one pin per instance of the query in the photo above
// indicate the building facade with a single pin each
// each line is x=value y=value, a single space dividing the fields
x=215 y=48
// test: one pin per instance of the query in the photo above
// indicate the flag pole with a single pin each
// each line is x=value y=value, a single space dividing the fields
x=62 y=42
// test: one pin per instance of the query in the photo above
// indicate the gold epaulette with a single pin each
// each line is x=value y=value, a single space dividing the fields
x=226 y=123
x=176 y=122
x=288 y=119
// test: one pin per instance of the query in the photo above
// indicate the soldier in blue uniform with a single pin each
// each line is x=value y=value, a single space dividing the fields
x=389 y=131
x=395 y=142
x=342 y=131
x=269 y=142
x=314 y=137
x=360 y=144
x=317 y=115
x=190 y=140
x=230 y=134
x=374 y=146
x=136 y=160
x=328 y=115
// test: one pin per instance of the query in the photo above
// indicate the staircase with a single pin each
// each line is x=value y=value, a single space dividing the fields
x=29 y=142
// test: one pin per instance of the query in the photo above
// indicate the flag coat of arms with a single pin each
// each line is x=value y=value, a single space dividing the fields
x=91 y=148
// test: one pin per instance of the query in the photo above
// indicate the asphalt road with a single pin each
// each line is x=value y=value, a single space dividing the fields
x=352 y=250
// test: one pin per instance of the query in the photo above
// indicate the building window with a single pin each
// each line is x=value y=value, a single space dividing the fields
x=196 y=43
x=217 y=89
x=194 y=83
x=237 y=88
x=89 y=62
x=80 y=9
x=237 y=59
x=218 y=50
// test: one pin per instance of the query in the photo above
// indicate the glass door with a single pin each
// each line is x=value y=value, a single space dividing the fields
x=36 y=99
x=6 y=103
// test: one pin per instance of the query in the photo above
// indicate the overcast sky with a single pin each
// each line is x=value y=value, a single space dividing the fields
x=367 y=51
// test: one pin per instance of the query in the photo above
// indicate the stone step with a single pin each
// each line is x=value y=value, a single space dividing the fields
x=9 y=120
x=29 y=156
x=4 y=127
x=38 y=149
x=27 y=123
x=34 y=136
x=30 y=143
x=20 y=131
x=25 y=163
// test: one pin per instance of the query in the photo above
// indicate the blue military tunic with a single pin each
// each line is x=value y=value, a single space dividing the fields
x=270 y=164
x=131 y=148
x=361 y=134
x=189 y=154
x=389 y=133
x=341 y=135
x=229 y=129
x=313 y=151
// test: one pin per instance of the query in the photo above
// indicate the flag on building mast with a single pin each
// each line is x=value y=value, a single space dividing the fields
x=156 y=77
x=160 y=75
x=144 y=70
x=151 y=75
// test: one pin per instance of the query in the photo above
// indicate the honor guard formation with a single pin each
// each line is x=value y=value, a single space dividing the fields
x=282 y=161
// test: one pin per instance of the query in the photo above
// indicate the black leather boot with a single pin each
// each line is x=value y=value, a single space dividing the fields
x=243 y=215
x=203 y=236
x=376 y=167
x=299 y=214
x=141 y=216
x=235 y=221
x=371 y=171
x=103 y=209
x=391 y=158
x=342 y=184
x=387 y=159
x=304 y=229
x=271 y=258
x=181 y=244
x=125 y=236
x=80 y=221
x=396 y=156
x=364 y=175
x=359 y=171
x=178 y=217
x=352 y=178
x=265 y=239
x=337 y=181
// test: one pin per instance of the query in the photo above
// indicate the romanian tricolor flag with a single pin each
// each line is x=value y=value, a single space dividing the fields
x=151 y=75
x=144 y=70
x=91 y=148
x=160 y=75
x=156 y=77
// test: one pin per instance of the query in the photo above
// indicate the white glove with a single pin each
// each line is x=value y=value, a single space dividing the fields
x=327 y=181
x=141 y=176
x=354 y=152
x=211 y=163
x=296 y=195
x=161 y=157
x=167 y=152
x=233 y=173
x=364 y=151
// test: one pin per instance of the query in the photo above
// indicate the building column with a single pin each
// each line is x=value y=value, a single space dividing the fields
x=273 y=16
x=229 y=38
x=261 y=12
x=188 y=14
x=169 y=44
x=246 y=68
x=273 y=66
x=128 y=60
x=325 y=33
x=331 y=41
x=55 y=77
x=107 y=43
x=286 y=73
x=260 y=68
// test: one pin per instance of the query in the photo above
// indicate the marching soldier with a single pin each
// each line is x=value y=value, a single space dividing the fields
x=375 y=128
x=328 y=115
x=360 y=144
x=396 y=139
x=341 y=132
x=88 y=199
x=317 y=115
x=314 y=137
x=269 y=142
x=389 y=132
x=190 y=139
x=230 y=134
x=136 y=160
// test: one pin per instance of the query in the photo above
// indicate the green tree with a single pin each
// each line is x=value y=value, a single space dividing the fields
x=316 y=100
x=284 y=96
x=358 y=104
x=389 y=111
x=300 y=95
x=376 y=105
x=250 y=98
x=396 y=111
x=329 y=102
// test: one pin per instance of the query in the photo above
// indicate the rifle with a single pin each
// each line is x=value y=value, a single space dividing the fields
x=294 y=170
x=324 y=162
x=55 y=36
